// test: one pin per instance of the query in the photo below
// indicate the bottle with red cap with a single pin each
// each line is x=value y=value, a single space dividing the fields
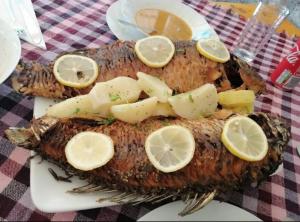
x=287 y=73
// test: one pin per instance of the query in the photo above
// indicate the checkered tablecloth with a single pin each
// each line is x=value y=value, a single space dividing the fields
x=75 y=24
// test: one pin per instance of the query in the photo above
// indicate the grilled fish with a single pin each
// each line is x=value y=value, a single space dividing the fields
x=186 y=71
x=213 y=171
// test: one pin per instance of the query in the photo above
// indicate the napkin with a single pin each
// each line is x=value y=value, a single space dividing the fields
x=20 y=15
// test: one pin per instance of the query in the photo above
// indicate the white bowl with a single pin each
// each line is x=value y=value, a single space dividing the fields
x=127 y=9
x=10 y=50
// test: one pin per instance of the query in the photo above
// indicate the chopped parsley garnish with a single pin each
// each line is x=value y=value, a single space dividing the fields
x=191 y=98
x=114 y=97
x=77 y=110
x=165 y=122
x=107 y=121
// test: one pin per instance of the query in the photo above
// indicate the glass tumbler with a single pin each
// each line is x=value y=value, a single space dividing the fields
x=266 y=18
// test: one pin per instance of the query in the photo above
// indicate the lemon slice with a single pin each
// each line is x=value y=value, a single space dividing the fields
x=75 y=70
x=155 y=51
x=89 y=150
x=244 y=138
x=213 y=49
x=170 y=148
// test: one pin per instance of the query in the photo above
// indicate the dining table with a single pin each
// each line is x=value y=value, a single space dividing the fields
x=76 y=24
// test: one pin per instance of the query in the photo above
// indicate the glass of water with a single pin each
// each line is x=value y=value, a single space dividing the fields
x=266 y=18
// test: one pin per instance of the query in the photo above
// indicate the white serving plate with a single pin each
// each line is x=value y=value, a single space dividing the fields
x=126 y=9
x=50 y=196
x=10 y=50
x=214 y=211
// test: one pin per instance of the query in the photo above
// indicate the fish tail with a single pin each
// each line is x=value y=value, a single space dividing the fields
x=34 y=79
x=22 y=78
x=22 y=137
x=31 y=137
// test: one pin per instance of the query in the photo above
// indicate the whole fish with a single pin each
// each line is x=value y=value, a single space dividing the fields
x=212 y=172
x=186 y=71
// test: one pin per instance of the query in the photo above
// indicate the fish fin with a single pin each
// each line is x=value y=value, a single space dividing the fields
x=30 y=137
x=22 y=137
x=124 y=197
x=83 y=189
x=42 y=125
x=197 y=203
x=15 y=82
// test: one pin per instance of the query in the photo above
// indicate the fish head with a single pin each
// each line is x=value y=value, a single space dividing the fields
x=242 y=76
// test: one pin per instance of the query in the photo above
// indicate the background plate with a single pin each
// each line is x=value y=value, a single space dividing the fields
x=125 y=10
x=214 y=211
x=10 y=50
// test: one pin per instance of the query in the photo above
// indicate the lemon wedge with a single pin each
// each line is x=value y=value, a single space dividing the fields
x=213 y=49
x=244 y=138
x=155 y=51
x=89 y=150
x=170 y=148
x=75 y=70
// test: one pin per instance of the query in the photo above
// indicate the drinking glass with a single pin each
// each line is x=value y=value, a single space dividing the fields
x=266 y=18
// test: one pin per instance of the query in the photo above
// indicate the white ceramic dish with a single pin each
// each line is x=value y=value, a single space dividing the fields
x=214 y=211
x=126 y=9
x=10 y=50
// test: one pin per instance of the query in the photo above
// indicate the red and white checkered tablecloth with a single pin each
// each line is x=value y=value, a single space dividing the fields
x=75 y=24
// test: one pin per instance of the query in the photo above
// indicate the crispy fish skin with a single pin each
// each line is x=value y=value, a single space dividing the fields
x=186 y=71
x=213 y=167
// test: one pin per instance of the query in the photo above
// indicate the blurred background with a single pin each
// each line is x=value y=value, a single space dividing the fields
x=294 y=6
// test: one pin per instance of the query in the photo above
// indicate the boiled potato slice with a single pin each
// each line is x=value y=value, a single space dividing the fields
x=71 y=107
x=153 y=86
x=235 y=98
x=135 y=112
x=197 y=103
x=163 y=109
x=242 y=109
x=116 y=91
x=76 y=106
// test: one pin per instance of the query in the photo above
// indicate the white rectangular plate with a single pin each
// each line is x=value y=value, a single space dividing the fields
x=49 y=195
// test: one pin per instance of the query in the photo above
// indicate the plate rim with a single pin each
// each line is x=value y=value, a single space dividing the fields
x=175 y=203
